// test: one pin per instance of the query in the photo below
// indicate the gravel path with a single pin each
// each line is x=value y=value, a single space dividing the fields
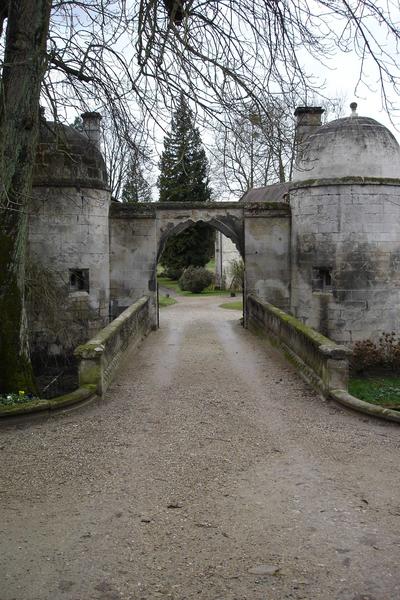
x=210 y=472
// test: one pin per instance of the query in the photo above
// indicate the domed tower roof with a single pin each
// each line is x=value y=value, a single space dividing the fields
x=67 y=157
x=350 y=147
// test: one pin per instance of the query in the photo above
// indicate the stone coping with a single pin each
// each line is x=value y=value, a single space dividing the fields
x=34 y=406
x=100 y=357
x=76 y=184
x=307 y=183
x=325 y=346
x=330 y=350
x=150 y=209
x=95 y=347
x=343 y=397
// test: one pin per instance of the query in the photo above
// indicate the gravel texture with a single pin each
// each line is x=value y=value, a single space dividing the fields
x=209 y=472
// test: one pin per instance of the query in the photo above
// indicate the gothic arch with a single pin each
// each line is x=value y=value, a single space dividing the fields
x=230 y=226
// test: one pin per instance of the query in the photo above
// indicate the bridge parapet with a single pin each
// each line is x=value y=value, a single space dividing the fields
x=101 y=356
x=320 y=361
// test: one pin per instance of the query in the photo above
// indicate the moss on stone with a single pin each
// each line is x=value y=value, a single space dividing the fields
x=15 y=368
x=89 y=350
x=90 y=374
x=82 y=393
x=94 y=347
x=312 y=334
x=119 y=210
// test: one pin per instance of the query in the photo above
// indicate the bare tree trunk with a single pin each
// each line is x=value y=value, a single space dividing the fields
x=24 y=66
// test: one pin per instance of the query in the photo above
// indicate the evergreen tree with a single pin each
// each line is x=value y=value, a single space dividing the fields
x=77 y=124
x=184 y=178
x=136 y=188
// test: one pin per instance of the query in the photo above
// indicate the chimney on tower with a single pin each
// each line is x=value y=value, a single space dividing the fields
x=91 y=127
x=308 y=121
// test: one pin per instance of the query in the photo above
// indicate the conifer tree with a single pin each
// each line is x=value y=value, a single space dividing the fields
x=136 y=188
x=184 y=178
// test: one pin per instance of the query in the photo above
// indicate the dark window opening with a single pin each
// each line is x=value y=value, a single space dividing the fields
x=79 y=280
x=322 y=279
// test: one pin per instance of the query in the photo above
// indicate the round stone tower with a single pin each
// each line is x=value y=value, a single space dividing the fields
x=345 y=240
x=68 y=226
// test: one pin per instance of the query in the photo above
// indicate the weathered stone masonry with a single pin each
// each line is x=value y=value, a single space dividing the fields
x=68 y=231
x=138 y=234
x=324 y=247
x=345 y=202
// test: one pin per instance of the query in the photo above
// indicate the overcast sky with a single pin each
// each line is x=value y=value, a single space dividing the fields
x=340 y=73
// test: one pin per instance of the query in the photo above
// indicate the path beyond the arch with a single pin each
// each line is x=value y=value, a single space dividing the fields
x=210 y=472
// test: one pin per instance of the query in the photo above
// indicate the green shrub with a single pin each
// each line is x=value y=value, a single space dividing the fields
x=194 y=246
x=173 y=272
x=195 y=279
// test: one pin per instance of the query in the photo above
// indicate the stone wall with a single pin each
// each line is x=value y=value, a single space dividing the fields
x=137 y=237
x=351 y=230
x=66 y=157
x=319 y=361
x=267 y=253
x=173 y=218
x=225 y=253
x=261 y=231
x=68 y=230
x=133 y=257
x=101 y=356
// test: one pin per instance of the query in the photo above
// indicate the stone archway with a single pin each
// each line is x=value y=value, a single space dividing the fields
x=171 y=220
x=138 y=233
x=227 y=217
x=232 y=227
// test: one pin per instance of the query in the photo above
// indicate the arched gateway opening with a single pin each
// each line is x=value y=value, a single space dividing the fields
x=138 y=234
x=230 y=227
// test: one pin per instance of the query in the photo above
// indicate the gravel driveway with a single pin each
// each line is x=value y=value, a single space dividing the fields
x=209 y=472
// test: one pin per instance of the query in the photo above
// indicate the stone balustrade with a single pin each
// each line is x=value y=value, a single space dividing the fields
x=101 y=356
x=320 y=361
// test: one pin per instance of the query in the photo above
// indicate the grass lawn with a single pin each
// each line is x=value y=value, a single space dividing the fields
x=173 y=285
x=384 y=391
x=165 y=301
x=236 y=305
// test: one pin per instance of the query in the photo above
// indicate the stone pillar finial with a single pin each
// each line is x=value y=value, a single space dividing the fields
x=353 y=107
x=91 y=127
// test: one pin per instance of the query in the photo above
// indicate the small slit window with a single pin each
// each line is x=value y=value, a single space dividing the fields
x=79 y=280
x=322 y=279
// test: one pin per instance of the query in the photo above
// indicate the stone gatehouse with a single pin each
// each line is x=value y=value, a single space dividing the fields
x=325 y=247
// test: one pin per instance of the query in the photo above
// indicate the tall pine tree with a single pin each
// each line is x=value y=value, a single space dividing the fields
x=184 y=178
x=136 y=188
